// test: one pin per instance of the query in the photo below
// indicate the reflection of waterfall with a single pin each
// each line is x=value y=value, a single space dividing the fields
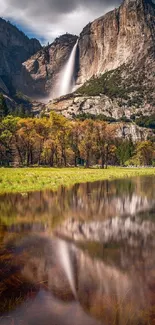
x=67 y=80
x=115 y=282
x=65 y=259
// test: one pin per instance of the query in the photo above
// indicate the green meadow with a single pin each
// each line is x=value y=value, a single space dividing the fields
x=35 y=179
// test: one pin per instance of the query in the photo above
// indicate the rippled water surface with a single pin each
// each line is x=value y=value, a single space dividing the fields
x=79 y=256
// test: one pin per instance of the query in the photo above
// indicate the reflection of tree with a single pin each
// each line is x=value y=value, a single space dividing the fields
x=91 y=201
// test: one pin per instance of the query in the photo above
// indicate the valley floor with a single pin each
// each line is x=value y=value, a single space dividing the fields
x=35 y=179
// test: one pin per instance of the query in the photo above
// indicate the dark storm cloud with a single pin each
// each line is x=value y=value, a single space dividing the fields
x=52 y=17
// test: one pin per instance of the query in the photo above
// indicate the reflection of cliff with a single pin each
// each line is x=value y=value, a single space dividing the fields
x=132 y=230
x=115 y=291
x=110 y=294
x=93 y=201
x=112 y=274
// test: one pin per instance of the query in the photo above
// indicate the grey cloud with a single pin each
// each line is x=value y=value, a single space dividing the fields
x=58 y=6
x=48 y=18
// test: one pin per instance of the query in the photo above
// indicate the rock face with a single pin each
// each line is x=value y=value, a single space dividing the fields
x=76 y=104
x=131 y=130
x=124 y=35
x=15 y=48
x=119 y=46
x=41 y=72
x=121 y=43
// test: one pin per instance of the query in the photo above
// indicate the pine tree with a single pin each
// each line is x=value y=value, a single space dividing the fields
x=3 y=107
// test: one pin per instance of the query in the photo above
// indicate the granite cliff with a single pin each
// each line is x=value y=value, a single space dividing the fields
x=40 y=73
x=123 y=36
x=115 y=65
x=15 y=48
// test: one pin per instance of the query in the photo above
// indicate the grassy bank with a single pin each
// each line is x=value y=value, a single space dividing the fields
x=33 y=179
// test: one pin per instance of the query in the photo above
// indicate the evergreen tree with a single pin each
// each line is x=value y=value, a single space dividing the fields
x=125 y=151
x=3 y=107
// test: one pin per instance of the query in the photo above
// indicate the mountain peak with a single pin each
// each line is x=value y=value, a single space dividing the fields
x=139 y=2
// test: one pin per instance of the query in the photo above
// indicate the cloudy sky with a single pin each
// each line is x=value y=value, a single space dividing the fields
x=47 y=19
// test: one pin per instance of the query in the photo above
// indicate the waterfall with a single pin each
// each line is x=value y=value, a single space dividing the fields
x=67 y=76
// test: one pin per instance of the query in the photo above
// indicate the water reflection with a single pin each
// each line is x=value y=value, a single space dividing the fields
x=114 y=290
x=104 y=275
x=92 y=201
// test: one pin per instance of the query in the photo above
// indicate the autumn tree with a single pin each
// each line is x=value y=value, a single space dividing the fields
x=100 y=141
x=87 y=142
x=75 y=138
x=60 y=133
x=28 y=141
x=49 y=151
x=57 y=141
x=104 y=141
x=42 y=131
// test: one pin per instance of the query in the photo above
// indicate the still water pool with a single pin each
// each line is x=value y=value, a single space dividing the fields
x=80 y=256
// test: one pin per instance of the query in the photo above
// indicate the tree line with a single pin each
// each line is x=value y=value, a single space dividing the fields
x=56 y=141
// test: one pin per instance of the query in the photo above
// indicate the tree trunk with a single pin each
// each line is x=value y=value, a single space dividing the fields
x=102 y=161
x=75 y=160
x=52 y=159
x=87 y=160
x=31 y=156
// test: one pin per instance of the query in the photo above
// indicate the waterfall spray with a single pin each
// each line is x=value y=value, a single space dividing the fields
x=67 y=80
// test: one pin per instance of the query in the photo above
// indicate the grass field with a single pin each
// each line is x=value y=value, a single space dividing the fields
x=33 y=179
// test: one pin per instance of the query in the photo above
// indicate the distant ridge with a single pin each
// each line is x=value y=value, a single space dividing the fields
x=15 y=48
